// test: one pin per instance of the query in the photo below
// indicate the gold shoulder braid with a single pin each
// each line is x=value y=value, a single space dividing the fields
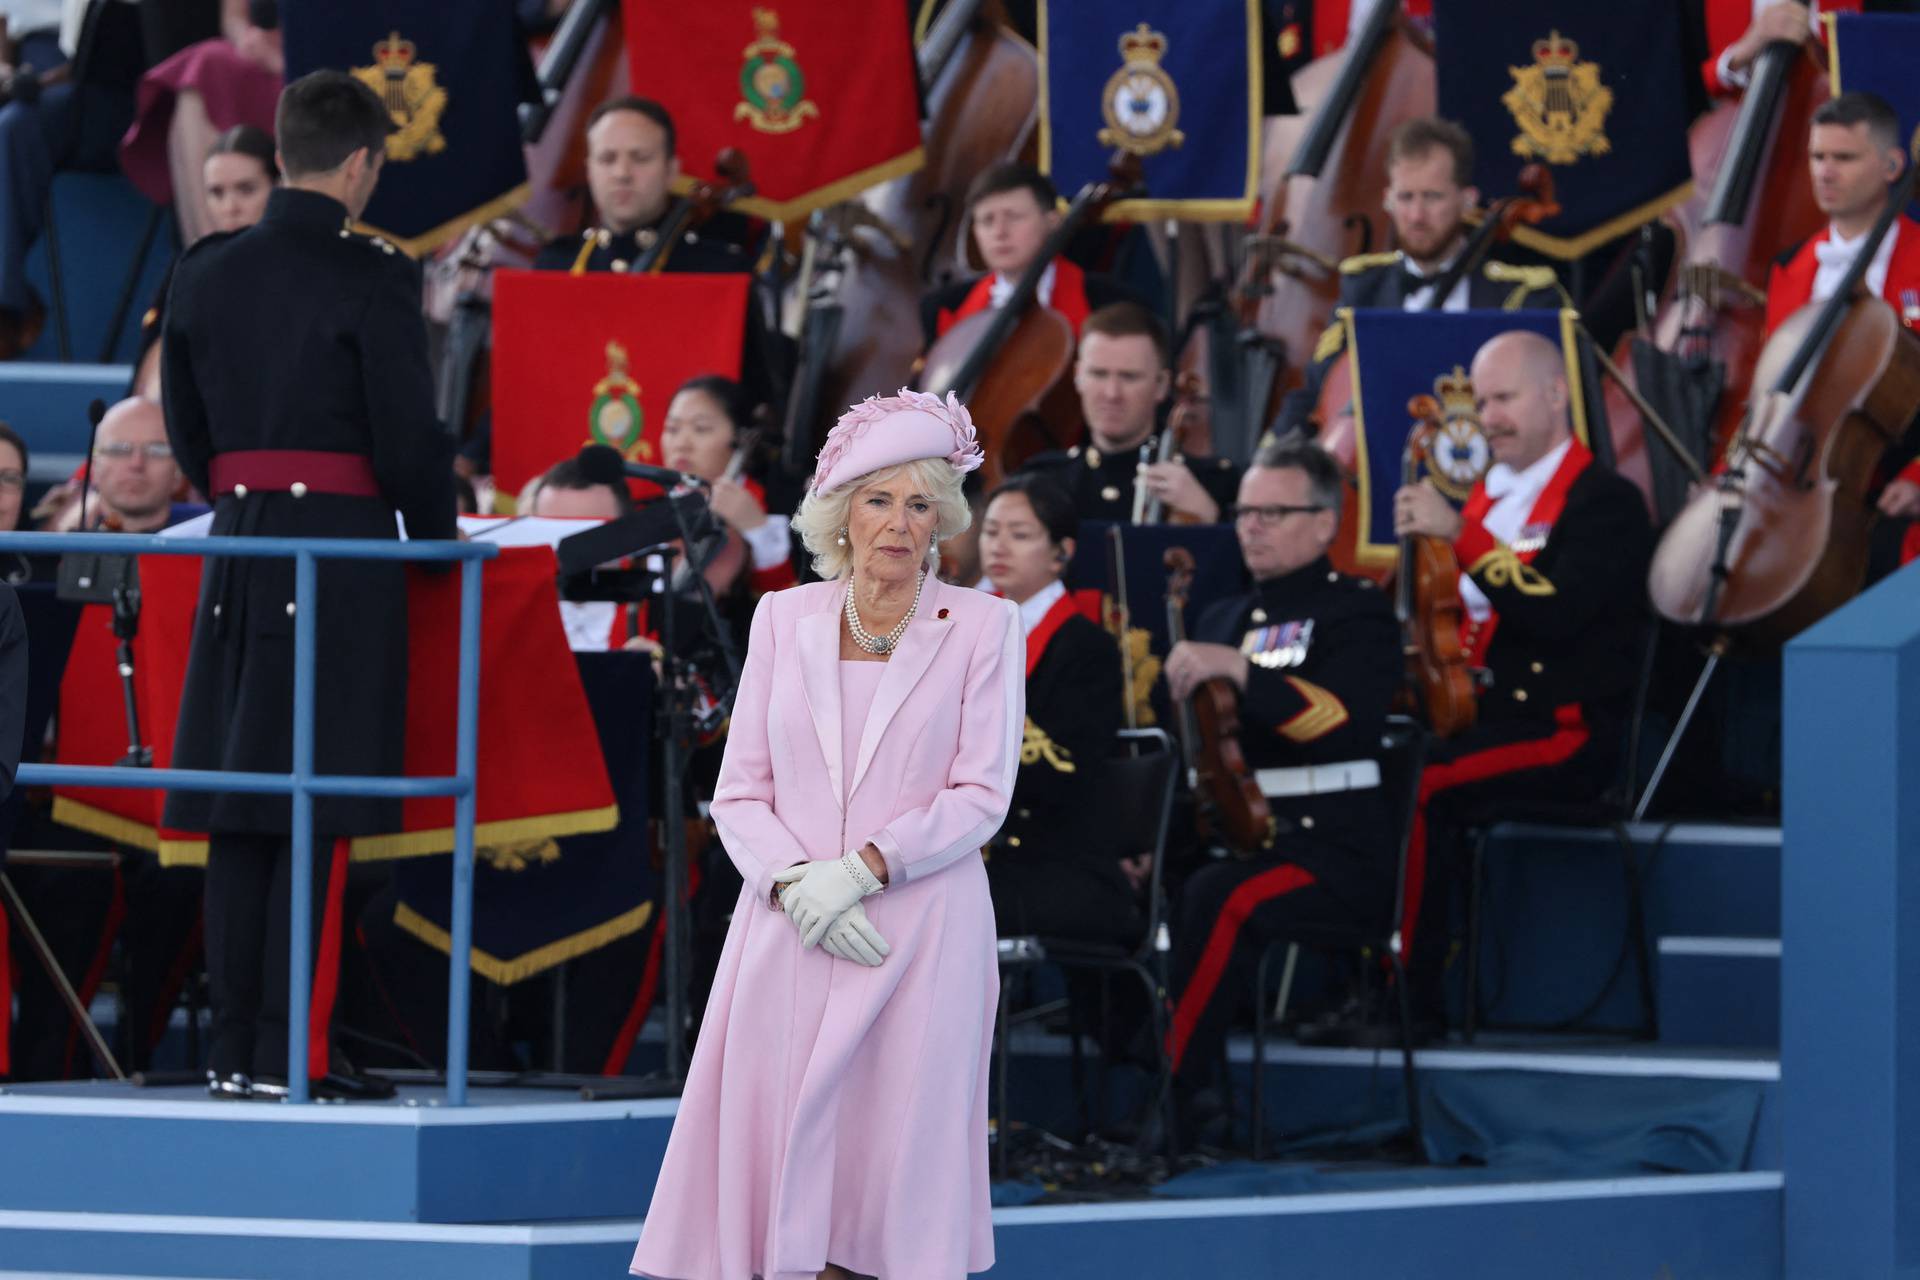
x=1367 y=261
x=1503 y=568
x=1037 y=746
x=1525 y=280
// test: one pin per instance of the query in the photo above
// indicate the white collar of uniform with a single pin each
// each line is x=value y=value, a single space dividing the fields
x=1835 y=254
x=1504 y=482
x=1003 y=286
x=1036 y=605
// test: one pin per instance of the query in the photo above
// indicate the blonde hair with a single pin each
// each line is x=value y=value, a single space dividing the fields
x=822 y=516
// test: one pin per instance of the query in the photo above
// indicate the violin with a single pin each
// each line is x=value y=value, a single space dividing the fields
x=1184 y=421
x=702 y=201
x=1427 y=601
x=1780 y=539
x=1013 y=365
x=1209 y=723
x=1532 y=204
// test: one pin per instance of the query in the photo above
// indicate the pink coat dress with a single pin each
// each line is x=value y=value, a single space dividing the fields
x=834 y=1112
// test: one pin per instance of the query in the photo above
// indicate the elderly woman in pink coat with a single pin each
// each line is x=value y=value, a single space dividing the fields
x=834 y=1121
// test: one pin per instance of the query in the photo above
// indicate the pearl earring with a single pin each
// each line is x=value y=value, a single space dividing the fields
x=842 y=539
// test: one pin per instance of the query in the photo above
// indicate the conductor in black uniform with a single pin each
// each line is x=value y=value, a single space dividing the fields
x=299 y=400
x=1316 y=657
x=1121 y=374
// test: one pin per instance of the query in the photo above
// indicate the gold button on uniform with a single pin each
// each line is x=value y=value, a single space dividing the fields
x=298 y=489
x=1013 y=842
x=1259 y=615
x=1536 y=667
x=619 y=264
x=289 y=608
x=1306 y=822
x=1519 y=695
x=1109 y=494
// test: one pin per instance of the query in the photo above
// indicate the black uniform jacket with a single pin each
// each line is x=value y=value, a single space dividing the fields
x=297 y=334
x=1101 y=482
x=1073 y=713
x=1384 y=281
x=1324 y=661
x=1570 y=625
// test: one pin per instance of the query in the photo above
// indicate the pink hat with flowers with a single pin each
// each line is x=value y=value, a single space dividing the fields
x=885 y=431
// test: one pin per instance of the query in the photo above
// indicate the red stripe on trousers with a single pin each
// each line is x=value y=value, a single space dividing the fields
x=97 y=969
x=6 y=994
x=326 y=978
x=1266 y=886
x=1513 y=757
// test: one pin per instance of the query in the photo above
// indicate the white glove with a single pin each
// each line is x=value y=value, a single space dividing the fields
x=815 y=896
x=853 y=937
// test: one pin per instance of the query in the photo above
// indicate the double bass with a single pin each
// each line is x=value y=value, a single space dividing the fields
x=1780 y=538
x=1231 y=804
x=1427 y=602
x=1013 y=364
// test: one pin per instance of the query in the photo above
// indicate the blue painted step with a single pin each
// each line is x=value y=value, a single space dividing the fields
x=1719 y=1227
x=1720 y=991
x=47 y=405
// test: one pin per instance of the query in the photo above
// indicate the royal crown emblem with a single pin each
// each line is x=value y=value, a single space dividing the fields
x=616 y=419
x=1559 y=104
x=1458 y=455
x=414 y=101
x=1141 y=102
x=774 y=89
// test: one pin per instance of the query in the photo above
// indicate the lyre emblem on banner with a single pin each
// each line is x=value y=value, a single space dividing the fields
x=616 y=419
x=1140 y=102
x=1459 y=455
x=1559 y=104
x=771 y=81
x=413 y=99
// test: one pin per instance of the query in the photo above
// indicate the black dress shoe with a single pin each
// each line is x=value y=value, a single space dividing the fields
x=232 y=1087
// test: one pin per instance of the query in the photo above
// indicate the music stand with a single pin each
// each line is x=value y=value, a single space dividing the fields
x=112 y=580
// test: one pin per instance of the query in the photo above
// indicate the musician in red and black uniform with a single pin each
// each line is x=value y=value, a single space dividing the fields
x=1316 y=657
x=1014 y=209
x=299 y=399
x=1738 y=31
x=1553 y=551
x=1855 y=154
x=1055 y=870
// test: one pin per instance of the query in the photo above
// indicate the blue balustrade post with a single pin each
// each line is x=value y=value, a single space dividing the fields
x=1850 y=953
x=466 y=765
x=300 y=947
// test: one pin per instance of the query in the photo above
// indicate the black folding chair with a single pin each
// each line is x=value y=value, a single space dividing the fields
x=1139 y=798
x=1403 y=753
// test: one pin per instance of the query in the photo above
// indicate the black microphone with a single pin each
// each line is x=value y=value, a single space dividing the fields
x=603 y=465
x=95 y=412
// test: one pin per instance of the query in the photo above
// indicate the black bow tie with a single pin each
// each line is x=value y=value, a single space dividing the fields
x=1411 y=281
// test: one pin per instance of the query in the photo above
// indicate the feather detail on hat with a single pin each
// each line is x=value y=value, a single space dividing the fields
x=884 y=431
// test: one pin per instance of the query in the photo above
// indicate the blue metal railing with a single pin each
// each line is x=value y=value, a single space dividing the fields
x=303 y=784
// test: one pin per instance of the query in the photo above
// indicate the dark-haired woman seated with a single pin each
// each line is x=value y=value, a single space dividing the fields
x=1056 y=869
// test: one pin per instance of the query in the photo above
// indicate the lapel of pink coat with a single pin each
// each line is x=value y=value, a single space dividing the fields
x=818 y=639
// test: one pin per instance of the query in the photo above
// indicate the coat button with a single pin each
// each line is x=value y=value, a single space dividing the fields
x=1013 y=842
x=1306 y=821
x=239 y=491
x=619 y=264
x=216 y=611
x=1026 y=813
x=289 y=608
x=1519 y=695
x=298 y=489
x=1536 y=667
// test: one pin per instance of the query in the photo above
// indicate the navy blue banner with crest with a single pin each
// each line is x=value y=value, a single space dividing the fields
x=451 y=75
x=542 y=902
x=1398 y=355
x=1595 y=92
x=1175 y=82
x=1878 y=53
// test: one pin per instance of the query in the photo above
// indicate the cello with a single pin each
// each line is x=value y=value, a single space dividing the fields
x=1534 y=203
x=1013 y=364
x=1426 y=601
x=1780 y=539
x=1750 y=163
x=1231 y=804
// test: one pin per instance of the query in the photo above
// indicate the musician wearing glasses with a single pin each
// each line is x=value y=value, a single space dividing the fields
x=1121 y=374
x=135 y=479
x=1315 y=658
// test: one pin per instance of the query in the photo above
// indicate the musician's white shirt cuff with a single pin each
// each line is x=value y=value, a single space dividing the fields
x=770 y=544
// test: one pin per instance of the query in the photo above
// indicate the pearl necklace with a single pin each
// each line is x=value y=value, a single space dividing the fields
x=880 y=644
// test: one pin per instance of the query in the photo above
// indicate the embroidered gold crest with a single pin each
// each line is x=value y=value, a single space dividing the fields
x=616 y=419
x=1137 y=648
x=1458 y=456
x=774 y=89
x=1140 y=101
x=413 y=99
x=1559 y=104
x=1036 y=746
x=520 y=854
